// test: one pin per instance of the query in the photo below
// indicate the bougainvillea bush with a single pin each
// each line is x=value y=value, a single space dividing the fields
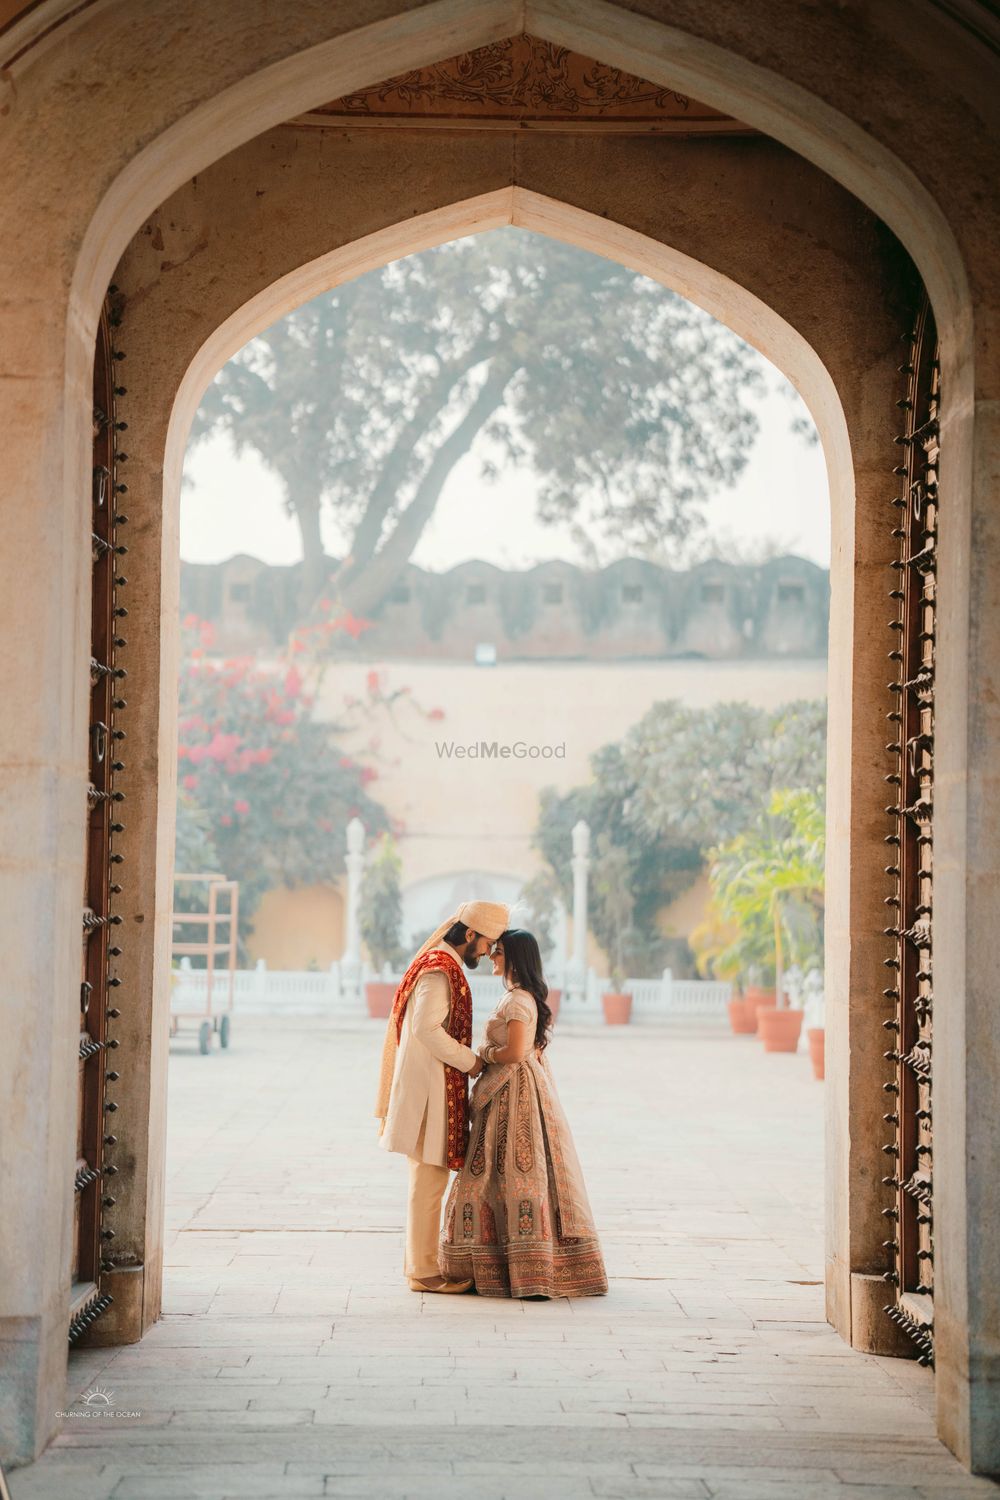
x=265 y=792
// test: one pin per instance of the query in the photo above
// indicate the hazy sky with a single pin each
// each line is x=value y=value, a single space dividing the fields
x=234 y=505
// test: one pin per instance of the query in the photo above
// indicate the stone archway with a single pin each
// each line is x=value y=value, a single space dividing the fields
x=837 y=248
x=771 y=76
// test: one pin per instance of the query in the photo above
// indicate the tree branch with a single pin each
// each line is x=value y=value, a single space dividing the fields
x=365 y=588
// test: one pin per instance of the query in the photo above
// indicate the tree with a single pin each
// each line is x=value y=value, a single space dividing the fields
x=682 y=782
x=382 y=906
x=265 y=792
x=705 y=773
x=628 y=402
x=615 y=904
x=769 y=882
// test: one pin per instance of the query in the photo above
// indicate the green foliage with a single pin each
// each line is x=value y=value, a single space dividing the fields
x=614 y=902
x=682 y=781
x=658 y=871
x=382 y=905
x=265 y=793
x=630 y=404
x=705 y=773
x=541 y=897
x=768 y=882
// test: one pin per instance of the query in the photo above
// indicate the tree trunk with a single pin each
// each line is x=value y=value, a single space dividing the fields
x=363 y=588
x=315 y=563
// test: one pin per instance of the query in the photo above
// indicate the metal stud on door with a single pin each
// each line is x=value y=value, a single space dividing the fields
x=96 y=1106
x=910 y=903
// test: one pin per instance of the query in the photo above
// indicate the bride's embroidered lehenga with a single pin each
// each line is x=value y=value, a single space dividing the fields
x=517 y=1220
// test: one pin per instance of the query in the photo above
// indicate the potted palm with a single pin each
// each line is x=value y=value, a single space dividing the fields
x=613 y=893
x=771 y=878
x=381 y=923
x=716 y=944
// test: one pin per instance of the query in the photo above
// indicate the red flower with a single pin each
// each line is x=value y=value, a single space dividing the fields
x=241 y=806
x=436 y=713
x=372 y=681
x=297 y=645
x=189 y=621
x=353 y=625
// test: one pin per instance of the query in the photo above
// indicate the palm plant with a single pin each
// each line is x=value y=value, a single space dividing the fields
x=769 y=882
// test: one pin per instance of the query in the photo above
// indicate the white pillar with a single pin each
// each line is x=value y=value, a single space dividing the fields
x=576 y=985
x=350 y=963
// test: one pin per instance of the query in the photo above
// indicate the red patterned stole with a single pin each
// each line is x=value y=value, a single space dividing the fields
x=459 y=1026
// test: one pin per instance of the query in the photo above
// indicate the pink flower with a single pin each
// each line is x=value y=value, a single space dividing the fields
x=353 y=625
x=189 y=783
x=436 y=713
x=241 y=806
x=367 y=775
x=293 y=682
x=226 y=820
x=326 y=605
x=372 y=681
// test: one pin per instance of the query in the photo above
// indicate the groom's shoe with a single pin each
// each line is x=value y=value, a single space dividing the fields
x=447 y=1288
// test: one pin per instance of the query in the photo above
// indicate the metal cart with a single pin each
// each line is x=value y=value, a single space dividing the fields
x=220 y=981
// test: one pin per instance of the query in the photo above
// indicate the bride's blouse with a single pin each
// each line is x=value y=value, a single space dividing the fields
x=516 y=1005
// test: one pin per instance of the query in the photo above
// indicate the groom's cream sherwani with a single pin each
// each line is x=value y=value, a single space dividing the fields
x=417 y=1120
x=417 y=1103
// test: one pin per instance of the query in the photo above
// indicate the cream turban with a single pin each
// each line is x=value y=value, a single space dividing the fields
x=487 y=917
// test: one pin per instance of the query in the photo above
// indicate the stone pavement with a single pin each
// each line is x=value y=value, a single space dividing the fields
x=292 y=1360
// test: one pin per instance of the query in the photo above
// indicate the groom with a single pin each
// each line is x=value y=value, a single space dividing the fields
x=427 y=1059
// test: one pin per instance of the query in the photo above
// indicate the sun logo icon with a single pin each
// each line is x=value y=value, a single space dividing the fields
x=98 y=1395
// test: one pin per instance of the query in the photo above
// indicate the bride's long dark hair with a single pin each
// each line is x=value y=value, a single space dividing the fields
x=522 y=969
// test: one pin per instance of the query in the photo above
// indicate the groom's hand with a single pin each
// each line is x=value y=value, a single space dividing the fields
x=475 y=1071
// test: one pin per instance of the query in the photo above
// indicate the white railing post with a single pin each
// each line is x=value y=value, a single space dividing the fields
x=576 y=976
x=350 y=963
x=667 y=992
x=260 y=983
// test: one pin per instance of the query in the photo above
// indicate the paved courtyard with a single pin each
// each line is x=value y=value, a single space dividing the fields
x=292 y=1360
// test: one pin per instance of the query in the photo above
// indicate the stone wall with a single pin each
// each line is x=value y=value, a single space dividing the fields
x=631 y=609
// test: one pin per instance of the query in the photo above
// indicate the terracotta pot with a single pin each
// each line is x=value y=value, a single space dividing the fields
x=779 y=1030
x=753 y=996
x=379 y=995
x=817 y=1049
x=555 y=996
x=741 y=1022
x=617 y=1009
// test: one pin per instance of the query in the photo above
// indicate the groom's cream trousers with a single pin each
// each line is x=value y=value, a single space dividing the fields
x=428 y=1183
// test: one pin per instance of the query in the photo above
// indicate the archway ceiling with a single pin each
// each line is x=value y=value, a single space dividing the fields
x=524 y=83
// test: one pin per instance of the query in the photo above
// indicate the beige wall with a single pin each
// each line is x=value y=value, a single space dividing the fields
x=477 y=813
x=897 y=102
x=298 y=929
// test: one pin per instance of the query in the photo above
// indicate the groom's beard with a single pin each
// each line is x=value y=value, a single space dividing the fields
x=468 y=960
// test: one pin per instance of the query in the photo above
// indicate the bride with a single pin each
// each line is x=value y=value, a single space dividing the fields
x=517 y=1222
